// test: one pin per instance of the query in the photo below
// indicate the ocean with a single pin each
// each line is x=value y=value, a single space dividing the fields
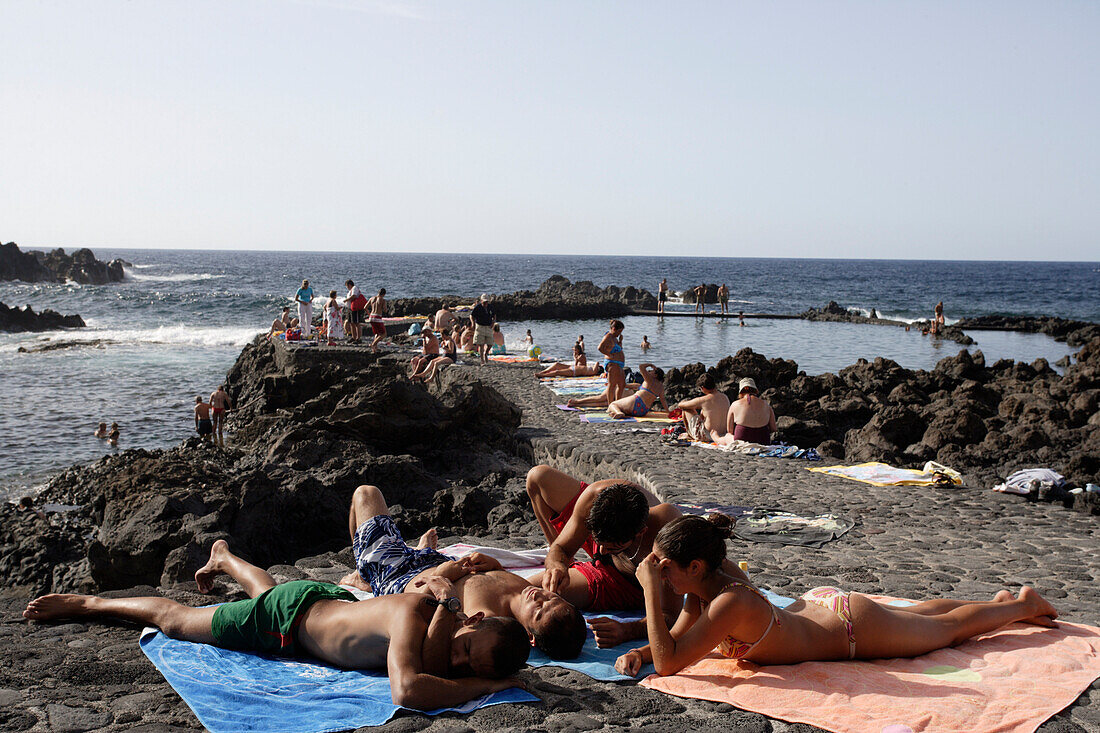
x=174 y=327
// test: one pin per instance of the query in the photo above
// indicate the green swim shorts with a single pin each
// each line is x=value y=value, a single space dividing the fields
x=268 y=623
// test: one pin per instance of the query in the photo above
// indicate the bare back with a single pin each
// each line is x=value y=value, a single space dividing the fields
x=752 y=412
x=715 y=409
x=202 y=411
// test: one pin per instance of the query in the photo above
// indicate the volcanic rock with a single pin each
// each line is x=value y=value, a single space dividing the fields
x=57 y=266
x=557 y=298
x=18 y=320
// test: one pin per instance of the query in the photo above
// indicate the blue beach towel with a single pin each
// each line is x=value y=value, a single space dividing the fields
x=236 y=691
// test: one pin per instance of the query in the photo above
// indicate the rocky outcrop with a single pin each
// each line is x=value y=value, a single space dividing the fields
x=1074 y=333
x=557 y=298
x=18 y=320
x=986 y=421
x=307 y=433
x=57 y=266
x=836 y=313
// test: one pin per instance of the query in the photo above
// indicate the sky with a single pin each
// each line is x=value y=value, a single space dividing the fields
x=911 y=130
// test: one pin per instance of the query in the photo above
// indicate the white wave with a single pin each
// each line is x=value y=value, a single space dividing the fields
x=181 y=278
x=141 y=267
x=166 y=335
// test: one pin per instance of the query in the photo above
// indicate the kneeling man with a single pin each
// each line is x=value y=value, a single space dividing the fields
x=615 y=523
x=418 y=640
x=386 y=565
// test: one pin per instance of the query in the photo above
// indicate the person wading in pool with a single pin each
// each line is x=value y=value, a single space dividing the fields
x=614 y=522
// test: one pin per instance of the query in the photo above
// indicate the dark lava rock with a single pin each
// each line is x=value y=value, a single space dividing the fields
x=18 y=320
x=557 y=298
x=310 y=430
x=984 y=421
x=56 y=266
x=1074 y=333
x=836 y=313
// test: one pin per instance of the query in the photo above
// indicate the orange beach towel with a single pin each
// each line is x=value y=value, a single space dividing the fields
x=1012 y=679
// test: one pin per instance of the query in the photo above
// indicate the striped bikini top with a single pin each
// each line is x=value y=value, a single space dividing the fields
x=732 y=648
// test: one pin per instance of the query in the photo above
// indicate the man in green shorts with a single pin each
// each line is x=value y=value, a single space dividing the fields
x=435 y=656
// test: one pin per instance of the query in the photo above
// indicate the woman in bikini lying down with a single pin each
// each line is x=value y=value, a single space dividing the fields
x=724 y=611
x=641 y=402
x=579 y=368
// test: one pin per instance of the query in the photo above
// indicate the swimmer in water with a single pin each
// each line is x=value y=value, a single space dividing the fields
x=101 y=431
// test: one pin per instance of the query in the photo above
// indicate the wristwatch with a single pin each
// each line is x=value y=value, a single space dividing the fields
x=452 y=604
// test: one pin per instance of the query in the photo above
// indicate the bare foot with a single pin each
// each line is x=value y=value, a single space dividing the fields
x=356 y=581
x=204 y=576
x=570 y=402
x=429 y=539
x=1003 y=596
x=56 y=605
x=1045 y=613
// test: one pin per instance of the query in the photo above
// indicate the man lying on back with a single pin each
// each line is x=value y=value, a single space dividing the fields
x=418 y=640
x=386 y=565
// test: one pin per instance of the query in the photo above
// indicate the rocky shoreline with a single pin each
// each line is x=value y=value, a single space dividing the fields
x=21 y=320
x=453 y=454
x=57 y=266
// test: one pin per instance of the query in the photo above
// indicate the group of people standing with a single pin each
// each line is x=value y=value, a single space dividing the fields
x=210 y=416
x=341 y=318
x=444 y=335
x=699 y=295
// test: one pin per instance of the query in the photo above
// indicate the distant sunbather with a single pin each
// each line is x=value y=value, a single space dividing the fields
x=641 y=402
x=419 y=640
x=561 y=369
x=723 y=610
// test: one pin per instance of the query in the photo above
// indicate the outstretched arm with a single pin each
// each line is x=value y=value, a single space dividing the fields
x=631 y=662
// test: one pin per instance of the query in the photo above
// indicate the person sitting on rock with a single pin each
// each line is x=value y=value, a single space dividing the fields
x=723 y=611
x=614 y=521
x=705 y=417
x=448 y=356
x=641 y=402
x=498 y=348
x=435 y=656
x=281 y=323
x=444 y=318
x=430 y=345
x=750 y=418
x=385 y=565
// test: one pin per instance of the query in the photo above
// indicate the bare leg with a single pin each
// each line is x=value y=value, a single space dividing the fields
x=616 y=383
x=550 y=491
x=174 y=619
x=883 y=632
x=366 y=502
x=937 y=606
x=254 y=580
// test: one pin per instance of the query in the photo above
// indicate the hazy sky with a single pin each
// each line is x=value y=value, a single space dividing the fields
x=943 y=130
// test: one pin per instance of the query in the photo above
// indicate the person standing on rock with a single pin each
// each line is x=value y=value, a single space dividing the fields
x=334 y=319
x=750 y=418
x=356 y=303
x=377 y=307
x=220 y=404
x=662 y=295
x=203 y=426
x=613 y=521
x=482 y=318
x=304 y=299
x=435 y=656
x=724 y=299
x=705 y=417
x=386 y=565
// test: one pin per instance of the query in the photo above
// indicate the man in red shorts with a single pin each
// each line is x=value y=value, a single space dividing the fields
x=377 y=308
x=615 y=523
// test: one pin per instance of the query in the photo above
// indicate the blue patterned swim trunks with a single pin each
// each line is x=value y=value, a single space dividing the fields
x=384 y=560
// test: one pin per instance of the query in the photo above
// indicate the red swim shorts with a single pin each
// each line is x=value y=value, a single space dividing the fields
x=377 y=328
x=608 y=589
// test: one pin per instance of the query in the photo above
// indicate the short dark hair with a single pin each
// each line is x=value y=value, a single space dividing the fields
x=564 y=636
x=618 y=513
x=696 y=538
x=511 y=646
x=705 y=381
x=381 y=291
x=617 y=325
x=348 y=282
x=659 y=373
